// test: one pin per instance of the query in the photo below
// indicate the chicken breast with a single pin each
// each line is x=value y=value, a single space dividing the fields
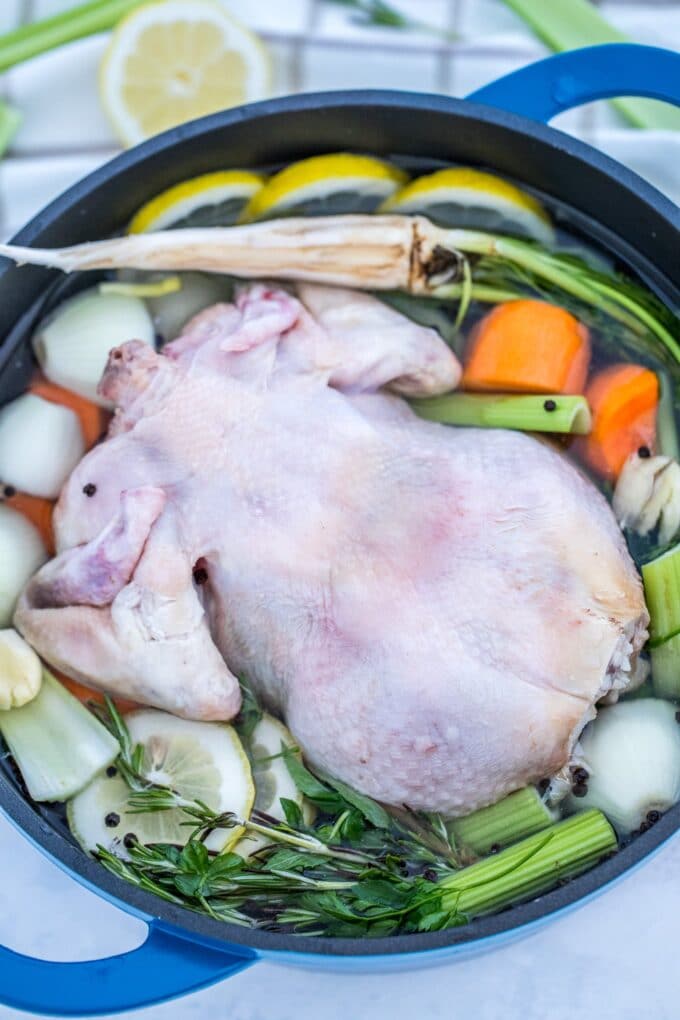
x=433 y=611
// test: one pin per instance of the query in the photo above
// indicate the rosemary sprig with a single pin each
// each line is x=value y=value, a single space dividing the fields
x=358 y=870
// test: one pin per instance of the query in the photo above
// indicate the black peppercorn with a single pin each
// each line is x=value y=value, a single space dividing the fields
x=112 y=771
x=653 y=817
x=430 y=875
x=644 y=452
x=494 y=848
x=549 y=405
x=200 y=575
x=112 y=820
x=580 y=775
x=580 y=790
x=130 y=840
x=89 y=489
x=9 y=491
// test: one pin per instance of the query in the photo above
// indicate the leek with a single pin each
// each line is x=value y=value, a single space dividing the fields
x=530 y=867
x=570 y=24
x=57 y=744
x=528 y=413
x=47 y=34
x=518 y=815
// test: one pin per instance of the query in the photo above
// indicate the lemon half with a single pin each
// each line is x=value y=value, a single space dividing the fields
x=467 y=198
x=325 y=185
x=200 y=760
x=175 y=60
x=211 y=200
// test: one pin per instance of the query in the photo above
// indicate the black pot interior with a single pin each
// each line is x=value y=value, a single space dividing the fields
x=593 y=195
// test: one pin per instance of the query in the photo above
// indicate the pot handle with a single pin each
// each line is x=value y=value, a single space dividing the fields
x=163 y=967
x=551 y=86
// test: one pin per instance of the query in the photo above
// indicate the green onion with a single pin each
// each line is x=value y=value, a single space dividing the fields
x=661 y=578
x=153 y=289
x=527 y=413
x=530 y=867
x=520 y=814
x=666 y=668
x=10 y=119
x=570 y=24
x=57 y=744
x=49 y=33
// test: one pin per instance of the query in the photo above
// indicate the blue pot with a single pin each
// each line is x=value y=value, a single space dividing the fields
x=501 y=127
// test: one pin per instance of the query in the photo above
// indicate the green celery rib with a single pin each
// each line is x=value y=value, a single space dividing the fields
x=49 y=33
x=666 y=669
x=570 y=24
x=520 y=814
x=666 y=430
x=661 y=578
x=530 y=867
x=501 y=411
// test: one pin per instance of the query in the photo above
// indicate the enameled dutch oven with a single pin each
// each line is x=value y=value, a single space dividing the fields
x=500 y=127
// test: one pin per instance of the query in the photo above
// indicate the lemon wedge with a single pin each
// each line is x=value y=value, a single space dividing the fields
x=176 y=60
x=200 y=760
x=467 y=198
x=211 y=200
x=325 y=185
x=272 y=778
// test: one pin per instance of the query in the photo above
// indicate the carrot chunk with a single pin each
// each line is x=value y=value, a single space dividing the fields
x=624 y=400
x=87 y=694
x=39 y=513
x=528 y=346
x=93 y=419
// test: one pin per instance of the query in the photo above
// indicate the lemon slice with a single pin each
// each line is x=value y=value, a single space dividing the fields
x=326 y=185
x=466 y=198
x=170 y=62
x=211 y=200
x=271 y=777
x=200 y=760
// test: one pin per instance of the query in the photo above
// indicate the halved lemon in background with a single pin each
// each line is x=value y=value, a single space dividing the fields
x=211 y=200
x=172 y=61
x=325 y=185
x=467 y=198
x=200 y=760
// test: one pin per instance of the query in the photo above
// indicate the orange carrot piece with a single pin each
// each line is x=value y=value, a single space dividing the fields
x=624 y=400
x=85 y=694
x=528 y=346
x=38 y=511
x=93 y=419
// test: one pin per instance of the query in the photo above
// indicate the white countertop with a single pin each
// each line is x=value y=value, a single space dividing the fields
x=617 y=957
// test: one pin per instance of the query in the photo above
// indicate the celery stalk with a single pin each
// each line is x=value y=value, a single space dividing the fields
x=666 y=430
x=661 y=578
x=58 y=745
x=49 y=33
x=570 y=24
x=530 y=867
x=528 y=413
x=666 y=668
x=520 y=814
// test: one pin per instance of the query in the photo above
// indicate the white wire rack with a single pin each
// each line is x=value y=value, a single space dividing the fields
x=316 y=45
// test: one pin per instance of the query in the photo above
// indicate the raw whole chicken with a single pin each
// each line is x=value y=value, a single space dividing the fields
x=433 y=611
